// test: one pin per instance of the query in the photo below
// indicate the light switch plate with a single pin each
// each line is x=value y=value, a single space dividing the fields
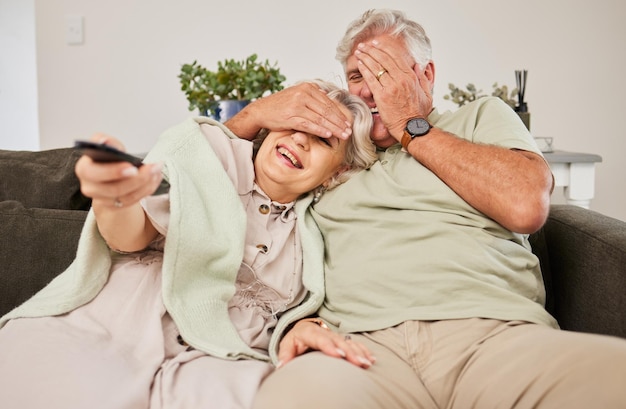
x=74 y=30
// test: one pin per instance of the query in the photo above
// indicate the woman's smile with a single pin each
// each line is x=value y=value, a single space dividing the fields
x=292 y=157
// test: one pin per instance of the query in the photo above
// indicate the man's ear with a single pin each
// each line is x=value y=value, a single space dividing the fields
x=429 y=72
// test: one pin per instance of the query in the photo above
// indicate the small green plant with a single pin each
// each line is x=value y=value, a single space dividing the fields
x=462 y=97
x=247 y=79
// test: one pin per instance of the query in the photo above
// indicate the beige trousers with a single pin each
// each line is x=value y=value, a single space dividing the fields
x=119 y=351
x=470 y=363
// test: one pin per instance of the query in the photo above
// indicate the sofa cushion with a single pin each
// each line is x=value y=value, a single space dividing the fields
x=35 y=246
x=43 y=179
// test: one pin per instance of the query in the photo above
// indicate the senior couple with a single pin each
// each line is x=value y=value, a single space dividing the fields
x=431 y=295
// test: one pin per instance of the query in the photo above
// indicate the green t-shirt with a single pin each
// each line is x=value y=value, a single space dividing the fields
x=401 y=245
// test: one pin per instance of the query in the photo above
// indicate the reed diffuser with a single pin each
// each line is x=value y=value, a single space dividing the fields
x=522 y=107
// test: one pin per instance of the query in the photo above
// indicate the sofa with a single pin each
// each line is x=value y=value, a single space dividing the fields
x=42 y=211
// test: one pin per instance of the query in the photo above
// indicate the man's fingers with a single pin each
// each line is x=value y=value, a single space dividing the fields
x=326 y=117
x=304 y=107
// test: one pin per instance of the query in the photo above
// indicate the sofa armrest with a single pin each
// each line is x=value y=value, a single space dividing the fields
x=587 y=257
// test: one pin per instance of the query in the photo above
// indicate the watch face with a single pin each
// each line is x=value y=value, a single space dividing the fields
x=417 y=127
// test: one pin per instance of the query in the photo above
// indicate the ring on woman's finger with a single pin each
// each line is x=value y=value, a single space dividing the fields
x=117 y=203
x=347 y=337
x=380 y=73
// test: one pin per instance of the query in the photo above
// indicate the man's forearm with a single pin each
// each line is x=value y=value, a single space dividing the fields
x=243 y=124
x=511 y=186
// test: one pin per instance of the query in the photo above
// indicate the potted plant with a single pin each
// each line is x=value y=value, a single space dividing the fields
x=514 y=99
x=462 y=97
x=235 y=82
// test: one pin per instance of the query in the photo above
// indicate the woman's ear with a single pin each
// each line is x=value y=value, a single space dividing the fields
x=342 y=169
x=334 y=180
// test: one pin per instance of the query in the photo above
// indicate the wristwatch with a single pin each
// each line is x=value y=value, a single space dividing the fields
x=414 y=127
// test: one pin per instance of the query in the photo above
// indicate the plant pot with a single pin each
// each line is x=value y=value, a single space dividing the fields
x=227 y=109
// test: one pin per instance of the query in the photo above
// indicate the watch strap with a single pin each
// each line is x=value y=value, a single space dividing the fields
x=406 y=139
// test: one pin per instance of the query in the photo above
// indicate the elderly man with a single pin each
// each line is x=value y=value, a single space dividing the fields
x=429 y=273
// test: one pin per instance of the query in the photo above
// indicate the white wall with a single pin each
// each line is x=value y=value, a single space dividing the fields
x=19 y=123
x=123 y=79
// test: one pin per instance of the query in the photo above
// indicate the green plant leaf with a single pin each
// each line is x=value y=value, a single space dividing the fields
x=233 y=79
x=462 y=97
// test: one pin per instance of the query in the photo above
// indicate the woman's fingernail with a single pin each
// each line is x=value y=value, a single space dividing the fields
x=364 y=361
x=341 y=352
x=279 y=365
x=130 y=171
x=156 y=168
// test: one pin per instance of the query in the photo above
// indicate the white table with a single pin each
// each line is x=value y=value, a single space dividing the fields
x=576 y=173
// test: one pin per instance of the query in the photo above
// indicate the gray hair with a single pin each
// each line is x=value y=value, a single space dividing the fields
x=360 y=151
x=385 y=21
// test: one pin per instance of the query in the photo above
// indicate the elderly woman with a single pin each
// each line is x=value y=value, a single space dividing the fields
x=178 y=300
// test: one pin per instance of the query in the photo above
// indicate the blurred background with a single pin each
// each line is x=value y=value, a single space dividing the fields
x=121 y=77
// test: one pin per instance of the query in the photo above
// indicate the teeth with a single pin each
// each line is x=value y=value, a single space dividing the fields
x=289 y=156
x=374 y=110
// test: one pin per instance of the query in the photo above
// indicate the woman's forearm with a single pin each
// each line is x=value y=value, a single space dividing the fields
x=125 y=229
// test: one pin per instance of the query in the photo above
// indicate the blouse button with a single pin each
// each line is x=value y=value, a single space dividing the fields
x=262 y=247
x=264 y=209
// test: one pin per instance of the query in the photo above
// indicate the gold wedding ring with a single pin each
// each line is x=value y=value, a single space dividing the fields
x=380 y=73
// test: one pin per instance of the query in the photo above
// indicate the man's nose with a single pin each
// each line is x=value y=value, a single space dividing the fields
x=365 y=93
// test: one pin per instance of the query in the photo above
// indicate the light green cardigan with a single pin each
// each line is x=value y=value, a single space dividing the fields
x=203 y=251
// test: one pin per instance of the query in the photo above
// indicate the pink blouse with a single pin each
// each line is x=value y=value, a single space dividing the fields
x=270 y=277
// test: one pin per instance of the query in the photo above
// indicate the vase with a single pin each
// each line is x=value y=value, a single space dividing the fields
x=228 y=108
